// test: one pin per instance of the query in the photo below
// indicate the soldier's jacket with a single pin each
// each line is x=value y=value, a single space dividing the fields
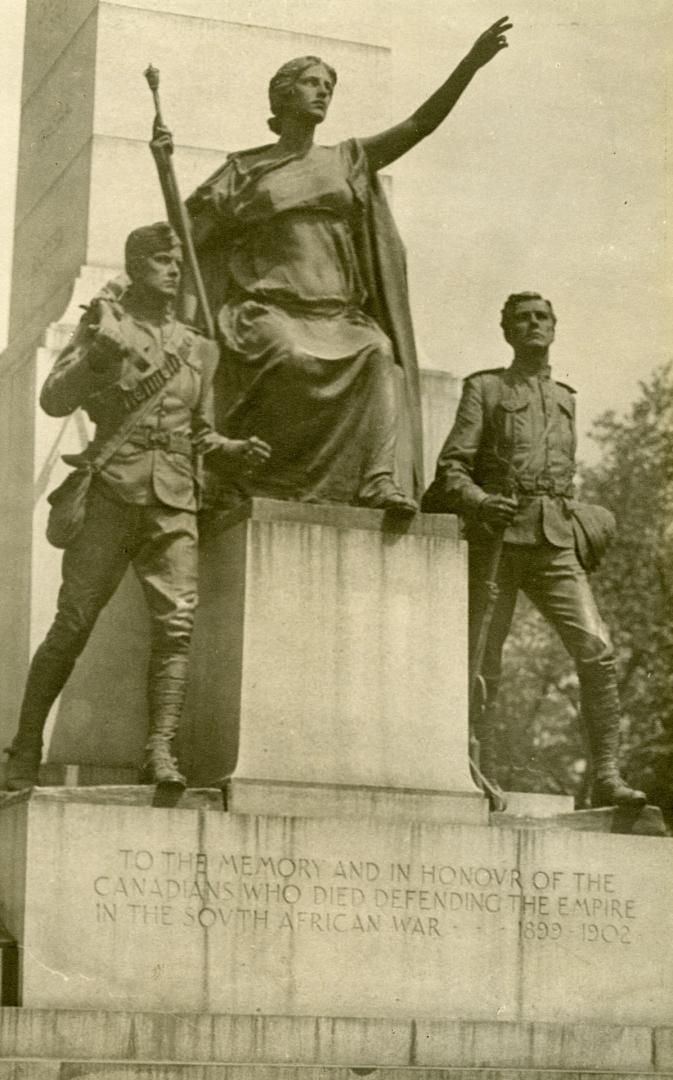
x=514 y=433
x=159 y=462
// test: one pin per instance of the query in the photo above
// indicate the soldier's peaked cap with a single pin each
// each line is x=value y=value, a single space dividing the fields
x=149 y=239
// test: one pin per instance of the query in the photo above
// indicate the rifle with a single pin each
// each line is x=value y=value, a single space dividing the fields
x=175 y=208
x=477 y=685
x=477 y=696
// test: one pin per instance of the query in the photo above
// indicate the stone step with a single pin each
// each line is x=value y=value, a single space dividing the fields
x=330 y=1045
x=27 y=1069
x=536 y=812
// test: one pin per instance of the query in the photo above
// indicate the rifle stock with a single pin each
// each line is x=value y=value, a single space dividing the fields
x=491 y=585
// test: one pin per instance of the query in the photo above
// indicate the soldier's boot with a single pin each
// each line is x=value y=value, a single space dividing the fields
x=600 y=714
x=23 y=764
x=609 y=787
x=47 y=676
x=166 y=697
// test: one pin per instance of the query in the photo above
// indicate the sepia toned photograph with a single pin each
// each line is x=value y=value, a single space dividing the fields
x=337 y=469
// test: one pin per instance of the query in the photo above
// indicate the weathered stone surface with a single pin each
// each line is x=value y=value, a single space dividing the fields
x=13 y=829
x=662 y=1056
x=530 y=804
x=114 y=1071
x=33 y=1070
x=131 y=906
x=342 y=801
x=649 y=821
x=331 y=646
x=53 y=774
x=534 y=1046
x=553 y=811
x=332 y=1042
x=121 y=795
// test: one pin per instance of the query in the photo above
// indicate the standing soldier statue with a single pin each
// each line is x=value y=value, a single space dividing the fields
x=507 y=468
x=145 y=381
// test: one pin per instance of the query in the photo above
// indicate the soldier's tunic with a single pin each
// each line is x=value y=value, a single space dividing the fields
x=515 y=434
x=141 y=508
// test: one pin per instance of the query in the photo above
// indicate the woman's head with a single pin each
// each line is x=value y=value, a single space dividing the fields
x=302 y=86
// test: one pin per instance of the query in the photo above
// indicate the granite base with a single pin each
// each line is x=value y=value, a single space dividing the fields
x=127 y=905
x=55 y=1045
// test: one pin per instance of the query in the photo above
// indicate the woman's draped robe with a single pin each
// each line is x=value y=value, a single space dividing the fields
x=305 y=273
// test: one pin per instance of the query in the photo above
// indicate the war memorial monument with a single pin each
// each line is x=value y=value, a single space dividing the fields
x=335 y=889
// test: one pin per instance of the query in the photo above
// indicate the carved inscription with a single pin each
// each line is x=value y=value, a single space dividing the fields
x=248 y=893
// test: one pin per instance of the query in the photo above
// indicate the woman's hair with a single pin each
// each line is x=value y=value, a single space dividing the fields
x=282 y=82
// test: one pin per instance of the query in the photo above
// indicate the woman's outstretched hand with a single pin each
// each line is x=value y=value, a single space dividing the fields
x=389 y=145
x=489 y=43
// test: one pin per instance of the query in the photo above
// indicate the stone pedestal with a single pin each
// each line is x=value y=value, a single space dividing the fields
x=347 y=867
x=118 y=904
x=329 y=663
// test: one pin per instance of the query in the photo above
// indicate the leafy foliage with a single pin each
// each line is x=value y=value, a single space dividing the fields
x=539 y=717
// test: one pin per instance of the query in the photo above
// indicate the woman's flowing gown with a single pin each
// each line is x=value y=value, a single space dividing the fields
x=304 y=367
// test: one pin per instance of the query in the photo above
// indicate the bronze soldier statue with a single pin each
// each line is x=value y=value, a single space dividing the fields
x=145 y=380
x=507 y=468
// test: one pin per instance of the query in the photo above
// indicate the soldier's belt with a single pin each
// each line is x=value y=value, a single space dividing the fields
x=544 y=486
x=174 y=442
x=558 y=490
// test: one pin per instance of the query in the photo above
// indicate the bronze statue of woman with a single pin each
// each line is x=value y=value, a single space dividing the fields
x=305 y=273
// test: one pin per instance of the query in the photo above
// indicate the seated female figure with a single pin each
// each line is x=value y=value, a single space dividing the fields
x=305 y=276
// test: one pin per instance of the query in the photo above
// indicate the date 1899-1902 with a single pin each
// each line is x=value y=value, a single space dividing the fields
x=589 y=933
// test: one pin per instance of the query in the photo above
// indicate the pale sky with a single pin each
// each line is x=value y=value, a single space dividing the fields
x=550 y=174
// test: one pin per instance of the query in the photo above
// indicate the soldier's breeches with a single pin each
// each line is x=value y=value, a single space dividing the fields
x=166 y=564
x=161 y=543
x=556 y=584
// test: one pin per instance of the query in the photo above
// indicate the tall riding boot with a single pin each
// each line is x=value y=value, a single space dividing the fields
x=166 y=696
x=48 y=674
x=609 y=787
x=600 y=711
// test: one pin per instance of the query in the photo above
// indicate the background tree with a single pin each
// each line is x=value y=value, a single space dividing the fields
x=541 y=741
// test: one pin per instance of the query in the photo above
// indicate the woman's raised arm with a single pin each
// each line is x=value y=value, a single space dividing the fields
x=389 y=145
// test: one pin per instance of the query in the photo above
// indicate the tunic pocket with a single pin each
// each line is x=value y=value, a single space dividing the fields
x=512 y=423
